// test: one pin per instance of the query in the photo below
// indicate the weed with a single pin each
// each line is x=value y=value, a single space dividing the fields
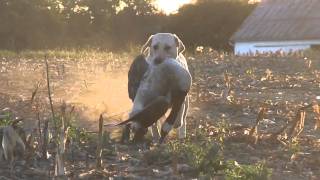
x=6 y=119
x=206 y=159
x=78 y=134
x=235 y=171
x=223 y=131
x=294 y=147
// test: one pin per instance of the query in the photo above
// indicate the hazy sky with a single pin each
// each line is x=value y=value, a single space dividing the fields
x=171 y=6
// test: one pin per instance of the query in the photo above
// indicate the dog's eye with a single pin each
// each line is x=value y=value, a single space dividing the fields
x=155 y=47
x=167 y=48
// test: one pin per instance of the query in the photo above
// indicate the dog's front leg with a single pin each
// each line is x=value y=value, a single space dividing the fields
x=178 y=98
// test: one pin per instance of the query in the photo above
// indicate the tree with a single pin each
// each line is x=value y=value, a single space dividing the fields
x=209 y=22
x=26 y=24
x=115 y=24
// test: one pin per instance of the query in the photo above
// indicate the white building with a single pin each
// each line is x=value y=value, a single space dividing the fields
x=279 y=25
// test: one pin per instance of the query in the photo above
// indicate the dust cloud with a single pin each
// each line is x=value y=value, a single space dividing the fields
x=93 y=88
x=105 y=93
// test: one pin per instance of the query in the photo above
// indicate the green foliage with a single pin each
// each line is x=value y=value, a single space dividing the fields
x=66 y=120
x=7 y=120
x=192 y=154
x=223 y=130
x=234 y=171
x=294 y=147
x=204 y=157
x=207 y=160
x=78 y=134
x=75 y=133
x=204 y=154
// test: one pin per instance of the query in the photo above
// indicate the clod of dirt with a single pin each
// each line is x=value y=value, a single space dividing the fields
x=184 y=168
x=156 y=156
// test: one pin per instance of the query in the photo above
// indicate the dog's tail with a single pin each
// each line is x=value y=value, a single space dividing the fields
x=150 y=114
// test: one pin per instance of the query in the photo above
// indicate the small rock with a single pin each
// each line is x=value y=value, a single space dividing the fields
x=183 y=168
x=134 y=161
x=119 y=178
x=121 y=147
x=159 y=173
x=254 y=159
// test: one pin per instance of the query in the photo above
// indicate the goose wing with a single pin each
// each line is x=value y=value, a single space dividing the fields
x=137 y=69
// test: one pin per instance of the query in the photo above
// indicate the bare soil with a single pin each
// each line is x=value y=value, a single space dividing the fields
x=282 y=84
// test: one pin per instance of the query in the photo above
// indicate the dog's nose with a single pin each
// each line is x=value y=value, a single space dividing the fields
x=158 y=60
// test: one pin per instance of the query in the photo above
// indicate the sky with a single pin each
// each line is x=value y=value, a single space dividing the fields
x=171 y=6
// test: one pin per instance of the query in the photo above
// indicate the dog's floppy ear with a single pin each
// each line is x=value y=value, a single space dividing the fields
x=146 y=45
x=180 y=45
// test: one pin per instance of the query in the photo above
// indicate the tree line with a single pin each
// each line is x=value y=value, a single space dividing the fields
x=115 y=24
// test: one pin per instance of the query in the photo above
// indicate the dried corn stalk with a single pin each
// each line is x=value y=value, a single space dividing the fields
x=254 y=130
x=227 y=90
x=100 y=143
x=60 y=165
x=227 y=80
x=316 y=110
x=298 y=124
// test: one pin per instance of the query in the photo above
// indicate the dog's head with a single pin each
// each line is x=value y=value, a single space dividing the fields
x=162 y=46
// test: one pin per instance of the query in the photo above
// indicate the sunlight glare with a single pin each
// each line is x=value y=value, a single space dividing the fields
x=171 y=6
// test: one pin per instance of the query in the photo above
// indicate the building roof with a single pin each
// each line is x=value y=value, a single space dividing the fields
x=281 y=20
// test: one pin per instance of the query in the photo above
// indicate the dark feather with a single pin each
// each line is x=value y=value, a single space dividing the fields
x=151 y=113
x=137 y=69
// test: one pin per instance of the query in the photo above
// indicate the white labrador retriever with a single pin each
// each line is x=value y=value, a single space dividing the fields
x=161 y=47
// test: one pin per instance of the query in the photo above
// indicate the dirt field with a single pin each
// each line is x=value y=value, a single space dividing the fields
x=227 y=95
